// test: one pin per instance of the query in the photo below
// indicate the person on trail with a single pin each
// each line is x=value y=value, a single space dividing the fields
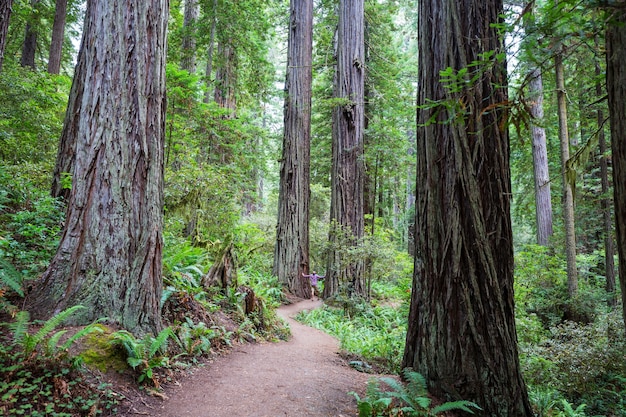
x=313 y=278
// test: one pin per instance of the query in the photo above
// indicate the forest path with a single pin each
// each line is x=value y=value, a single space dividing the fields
x=302 y=377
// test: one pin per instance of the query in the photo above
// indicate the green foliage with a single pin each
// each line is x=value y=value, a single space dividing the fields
x=376 y=334
x=30 y=222
x=37 y=374
x=583 y=363
x=145 y=355
x=410 y=399
x=32 y=106
x=195 y=339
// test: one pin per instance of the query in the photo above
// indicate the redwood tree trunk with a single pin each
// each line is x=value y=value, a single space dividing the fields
x=29 y=48
x=461 y=333
x=291 y=254
x=616 y=88
x=109 y=257
x=5 y=16
x=58 y=36
x=225 y=77
x=192 y=10
x=347 y=175
x=543 y=200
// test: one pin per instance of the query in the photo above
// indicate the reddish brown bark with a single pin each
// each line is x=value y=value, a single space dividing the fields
x=291 y=254
x=109 y=256
x=461 y=333
x=348 y=173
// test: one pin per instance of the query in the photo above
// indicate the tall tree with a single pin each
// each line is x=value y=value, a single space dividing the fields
x=192 y=10
x=606 y=203
x=543 y=199
x=109 y=256
x=347 y=175
x=5 y=16
x=461 y=331
x=29 y=47
x=291 y=254
x=567 y=175
x=58 y=36
x=616 y=88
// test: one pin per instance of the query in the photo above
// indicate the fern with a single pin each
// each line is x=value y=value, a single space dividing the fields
x=9 y=277
x=31 y=342
x=19 y=327
x=412 y=399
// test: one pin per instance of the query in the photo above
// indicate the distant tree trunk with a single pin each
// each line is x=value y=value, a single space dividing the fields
x=5 y=17
x=225 y=77
x=29 y=48
x=192 y=10
x=58 y=36
x=209 y=60
x=609 y=248
x=616 y=88
x=543 y=201
x=291 y=254
x=347 y=176
x=109 y=257
x=461 y=332
x=568 y=182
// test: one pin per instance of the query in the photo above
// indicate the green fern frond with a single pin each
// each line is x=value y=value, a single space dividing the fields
x=54 y=322
x=10 y=277
x=159 y=343
x=455 y=405
x=133 y=347
x=51 y=346
x=19 y=327
x=92 y=328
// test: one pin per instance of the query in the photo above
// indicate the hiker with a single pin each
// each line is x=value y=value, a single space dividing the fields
x=313 y=278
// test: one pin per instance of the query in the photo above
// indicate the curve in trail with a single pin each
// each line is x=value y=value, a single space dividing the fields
x=301 y=377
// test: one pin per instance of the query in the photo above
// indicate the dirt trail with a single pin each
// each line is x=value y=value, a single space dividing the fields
x=302 y=377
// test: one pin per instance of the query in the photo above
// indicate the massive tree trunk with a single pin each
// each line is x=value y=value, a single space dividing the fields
x=347 y=175
x=109 y=257
x=5 y=16
x=192 y=10
x=58 y=36
x=461 y=333
x=291 y=254
x=616 y=88
x=568 y=181
x=543 y=201
x=29 y=48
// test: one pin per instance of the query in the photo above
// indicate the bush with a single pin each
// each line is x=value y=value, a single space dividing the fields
x=584 y=363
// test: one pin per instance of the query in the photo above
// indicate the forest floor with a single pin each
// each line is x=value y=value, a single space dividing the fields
x=305 y=376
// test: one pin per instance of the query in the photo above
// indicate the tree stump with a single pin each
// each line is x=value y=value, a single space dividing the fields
x=223 y=273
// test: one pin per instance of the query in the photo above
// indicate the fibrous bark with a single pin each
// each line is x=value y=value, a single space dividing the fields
x=461 y=335
x=109 y=256
x=348 y=173
x=291 y=254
